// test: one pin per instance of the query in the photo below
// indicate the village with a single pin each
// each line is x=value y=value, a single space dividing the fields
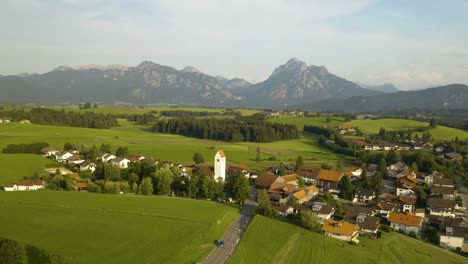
x=395 y=205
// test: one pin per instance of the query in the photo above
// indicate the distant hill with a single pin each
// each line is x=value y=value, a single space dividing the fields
x=449 y=96
x=295 y=82
x=233 y=84
x=384 y=88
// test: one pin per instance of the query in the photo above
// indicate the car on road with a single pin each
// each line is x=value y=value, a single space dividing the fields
x=220 y=243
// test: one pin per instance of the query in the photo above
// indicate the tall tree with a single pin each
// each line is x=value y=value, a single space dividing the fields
x=346 y=189
x=299 y=162
x=238 y=187
x=146 y=186
x=162 y=181
x=377 y=183
x=310 y=221
x=433 y=123
x=258 y=157
x=121 y=152
x=198 y=158
x=263 y=199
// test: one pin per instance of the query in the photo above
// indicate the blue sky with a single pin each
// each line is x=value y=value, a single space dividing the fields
x=412 y=44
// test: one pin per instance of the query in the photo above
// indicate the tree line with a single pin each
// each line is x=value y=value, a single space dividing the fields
x=47 y=116
x=249 y=129
x=33 y=148
x=185 y=113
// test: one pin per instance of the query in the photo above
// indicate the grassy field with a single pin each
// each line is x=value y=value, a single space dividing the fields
x=133 y=110
x=300 y=122
x=17 y=166
x=98 y=228
x=168 y=147
x=440 y=132
x=271 y=241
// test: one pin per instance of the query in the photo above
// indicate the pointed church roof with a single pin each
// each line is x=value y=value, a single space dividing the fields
x=221 y=153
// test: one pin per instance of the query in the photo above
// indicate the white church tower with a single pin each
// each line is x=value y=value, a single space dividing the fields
x=220 y=165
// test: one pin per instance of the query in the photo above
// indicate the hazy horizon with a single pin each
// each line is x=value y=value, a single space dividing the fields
x=413 y=45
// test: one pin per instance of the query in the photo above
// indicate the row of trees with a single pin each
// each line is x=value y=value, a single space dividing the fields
x=191 y=114
x=47 y=116
x=33 y=148
x=231 y=130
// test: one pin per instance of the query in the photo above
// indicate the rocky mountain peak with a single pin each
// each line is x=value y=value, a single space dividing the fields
x=190 y=69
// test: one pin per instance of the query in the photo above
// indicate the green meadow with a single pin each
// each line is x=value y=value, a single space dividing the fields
x=17 y=166
x=271 y=241
x=99 y=228
x=169 y=147
x=440 y=132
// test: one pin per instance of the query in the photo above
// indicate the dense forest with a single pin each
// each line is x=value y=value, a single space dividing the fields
x=185 y=113
x=46 y=116
x=251 y=129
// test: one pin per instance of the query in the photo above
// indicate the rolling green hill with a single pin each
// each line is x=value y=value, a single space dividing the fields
x=440 y=132
x=271 y=241
x=98 y=228
x=17 y=166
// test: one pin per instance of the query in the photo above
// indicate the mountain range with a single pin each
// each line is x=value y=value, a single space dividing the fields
x=293 y=84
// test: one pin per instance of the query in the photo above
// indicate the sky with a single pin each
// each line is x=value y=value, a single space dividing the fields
x=412 y=44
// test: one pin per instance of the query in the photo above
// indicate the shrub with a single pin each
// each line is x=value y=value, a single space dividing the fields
x=11 y=252
x=412 y=234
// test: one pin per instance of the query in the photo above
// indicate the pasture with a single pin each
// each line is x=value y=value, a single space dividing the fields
x=98 y=228
x=271 y=241
x=17 y=166
x=175 y=148
x=440 y=132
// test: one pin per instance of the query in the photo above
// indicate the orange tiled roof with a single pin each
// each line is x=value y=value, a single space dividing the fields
x=340 y=227
x=405 y=219
x=265 y=179
x=329 y=175
x=75 y=176
x=300 y=194
x=290 y=177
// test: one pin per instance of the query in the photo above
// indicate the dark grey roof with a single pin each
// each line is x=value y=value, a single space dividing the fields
x=452 y=231
x=363 y=192
x=442 y=190
x=444 y=203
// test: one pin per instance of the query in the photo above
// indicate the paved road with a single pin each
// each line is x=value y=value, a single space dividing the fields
x=232 y=236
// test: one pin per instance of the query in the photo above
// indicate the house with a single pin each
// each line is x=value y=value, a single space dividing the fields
x=306 y=194
x=10 y=187
x=405 y=173
x=364 y=196
x=429 y=179
x=452 y=237
x=81 y=186
x=282 y=190
x=24 y=121
x=322 y=210
x=4 y=120
x=63 y=156
x=439 y=149
x=135 y=158
x=284 y=210
x=442 y=207
x=403 y=190
x=403 y=204
x=454 y=156
x=239 y=169
x=443 y=192
x=405 y=185
x=48 y=151
x=364 y=218
x=75 y=160
x=355 y=171
x=290 y=179
x=309 y=174
x=443 y=182
x=382 y=208
x=394 y=169
x=346 y=130
x=120 y=162
x=405 y=222
x=88 y=166
x=265 y=180
x=105 y=157
x=281 y=169
x=340 y=230
x=371 y=169
x=329 y=179
x=30 y=185
x=220 y=166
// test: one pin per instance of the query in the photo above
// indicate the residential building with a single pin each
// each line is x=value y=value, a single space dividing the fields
x=405 y=222
x=454 y=156
x=63 y=156
x=329 y=179
x=447 y=193
x=364 y=196
x=403 y=204
x=48 y=151
x=239 y=169
x=382 y=208
x=442 y=207
x=306 y=194
x=309 y=174
x=120 y=162
x=340 y=230
x=30 y=185
x=443 y=182
x=105 y=157
x=452 y=237
x=87 y=166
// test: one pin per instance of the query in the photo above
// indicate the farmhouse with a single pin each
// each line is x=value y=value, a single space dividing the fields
x=265 y=180
x=452 y=237
x=10 y=187
x=405 y=222
x=30 y=185
x=340 y=230
x=364 y=196
x=48 y=151
x=322 y=210
x=239 y=169
x=404 y=204
x=24 y=121
x=367 y=224
x=120 y=162
x=382 y=208
x=4 y=120
x=442 y=207
x=306 y=194
x=309 y=174
x=284 y=210
x=454 y=156
x=63 y=156
x=329 y=179
x=87 y=166
x=447 y=193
